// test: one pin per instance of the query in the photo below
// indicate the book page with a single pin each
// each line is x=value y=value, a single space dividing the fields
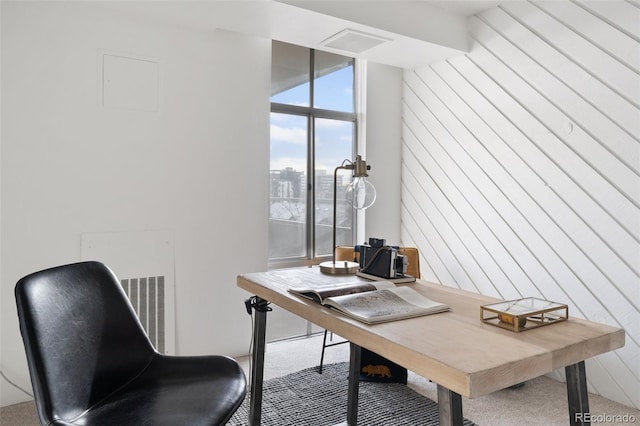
x=386 y=304
x=371 y=305
x=320 y=292
x=415 y=298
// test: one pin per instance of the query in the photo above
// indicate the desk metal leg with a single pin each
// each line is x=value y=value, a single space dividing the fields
x=257 y=366
x=354 y=384
x=449 y=407
x=577 y=394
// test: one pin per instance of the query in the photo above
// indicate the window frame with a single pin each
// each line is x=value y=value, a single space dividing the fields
x=312 y=113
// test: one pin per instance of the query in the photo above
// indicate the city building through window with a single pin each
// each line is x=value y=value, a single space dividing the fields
x=313 y=128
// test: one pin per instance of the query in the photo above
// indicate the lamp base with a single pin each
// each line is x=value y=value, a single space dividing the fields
x=339 y=267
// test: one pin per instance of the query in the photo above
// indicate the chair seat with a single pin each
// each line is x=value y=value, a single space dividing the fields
x=198 y=390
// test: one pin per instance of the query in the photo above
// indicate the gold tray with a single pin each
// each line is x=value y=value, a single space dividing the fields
x=523 y=314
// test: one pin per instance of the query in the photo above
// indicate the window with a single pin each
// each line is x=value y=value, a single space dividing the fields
x=313 y=126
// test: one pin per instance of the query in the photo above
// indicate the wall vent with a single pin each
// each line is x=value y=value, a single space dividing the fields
x=147 y=297
x=143 y=261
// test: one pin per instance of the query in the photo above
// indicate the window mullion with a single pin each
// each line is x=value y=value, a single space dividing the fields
x=311 y=197
x=312 y=62
x=290 y=109
x=311 y=176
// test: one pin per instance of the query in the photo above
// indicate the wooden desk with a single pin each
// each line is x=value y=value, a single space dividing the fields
x=454 y=349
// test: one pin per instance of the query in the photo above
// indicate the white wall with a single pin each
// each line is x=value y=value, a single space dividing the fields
x=198 y=167
x=384 y=150
x=521 y=167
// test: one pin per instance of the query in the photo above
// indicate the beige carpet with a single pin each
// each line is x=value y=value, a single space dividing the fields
x=540 y=402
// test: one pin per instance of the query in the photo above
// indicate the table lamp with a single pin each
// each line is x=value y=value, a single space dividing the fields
x=361 y=194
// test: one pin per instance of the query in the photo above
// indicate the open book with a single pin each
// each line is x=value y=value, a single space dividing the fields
x=371 y=302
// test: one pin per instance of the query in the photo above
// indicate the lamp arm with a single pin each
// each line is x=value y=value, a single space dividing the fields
x=344 y=166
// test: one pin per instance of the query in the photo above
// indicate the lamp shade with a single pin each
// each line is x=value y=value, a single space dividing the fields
x=361 y=194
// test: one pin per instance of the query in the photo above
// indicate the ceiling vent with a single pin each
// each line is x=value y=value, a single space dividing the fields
x=353 y=41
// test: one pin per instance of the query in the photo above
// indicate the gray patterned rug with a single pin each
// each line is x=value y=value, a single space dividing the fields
x=306 y=398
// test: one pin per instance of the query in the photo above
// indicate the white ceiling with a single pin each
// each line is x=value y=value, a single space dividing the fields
x=464 y=7
x=420 y=31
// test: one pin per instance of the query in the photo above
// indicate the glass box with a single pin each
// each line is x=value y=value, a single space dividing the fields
x=523 y=314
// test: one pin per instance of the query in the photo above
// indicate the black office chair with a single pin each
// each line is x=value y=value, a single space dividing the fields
x=91 y=362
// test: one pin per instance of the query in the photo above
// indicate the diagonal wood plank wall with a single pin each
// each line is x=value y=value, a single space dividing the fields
x=521 y=167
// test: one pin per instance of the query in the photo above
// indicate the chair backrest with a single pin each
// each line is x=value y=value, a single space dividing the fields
x=347 y=253
x=413 y=257
x=82 y=338
x=413 y=260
